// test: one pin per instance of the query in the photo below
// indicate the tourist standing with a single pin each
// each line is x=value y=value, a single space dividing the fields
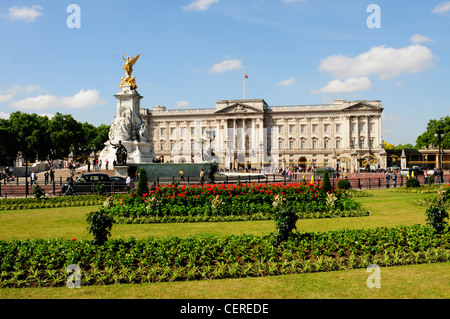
x=394 y=180
x=388 y=176
x=128 y=182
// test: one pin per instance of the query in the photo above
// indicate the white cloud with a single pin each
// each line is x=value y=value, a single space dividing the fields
x=6 y=98
x=27 y=14
x=182 y=104
x=287 y=82
x=383 y=61
x=348 y=85
x=83 y=99
x=7 y=95
x=200 y=5
x=417 y=38
x=4 y=116
x=442 y=7
x=227 y=65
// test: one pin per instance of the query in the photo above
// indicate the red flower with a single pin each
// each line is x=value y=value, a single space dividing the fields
x=73 y=239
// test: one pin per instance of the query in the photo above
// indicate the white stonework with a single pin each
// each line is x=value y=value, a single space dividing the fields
x=129 y=128
x=251 y=134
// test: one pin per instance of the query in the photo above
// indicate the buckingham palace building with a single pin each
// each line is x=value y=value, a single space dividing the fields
x=253 y=135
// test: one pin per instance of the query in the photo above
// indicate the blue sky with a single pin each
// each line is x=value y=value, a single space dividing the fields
x=194 y=53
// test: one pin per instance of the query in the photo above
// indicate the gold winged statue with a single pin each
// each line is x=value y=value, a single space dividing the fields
x=129 y=62
x=128 y=67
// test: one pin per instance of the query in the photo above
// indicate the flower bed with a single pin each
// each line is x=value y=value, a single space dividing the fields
x=223 y=202
x=41 y=263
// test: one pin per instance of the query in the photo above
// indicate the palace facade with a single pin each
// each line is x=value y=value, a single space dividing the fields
x=251 y=134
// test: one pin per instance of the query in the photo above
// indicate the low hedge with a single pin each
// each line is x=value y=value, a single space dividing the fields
x=43 y=263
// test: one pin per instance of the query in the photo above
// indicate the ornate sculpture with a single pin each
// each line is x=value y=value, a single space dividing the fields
x=121 y=153
x=128 y=67
x=129 y=62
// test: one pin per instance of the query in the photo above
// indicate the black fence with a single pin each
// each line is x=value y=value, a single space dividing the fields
x=23 y=188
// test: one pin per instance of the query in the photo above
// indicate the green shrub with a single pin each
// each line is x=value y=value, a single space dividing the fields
x=285 y=219
x=326 y=185
x=100 y=188
x=412 y=182
x=38 y=192
x=100 y=224
x=436 y=213
x=142 y=186
x=344 y=184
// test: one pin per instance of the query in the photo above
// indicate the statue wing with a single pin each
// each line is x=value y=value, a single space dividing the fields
x=134 y=60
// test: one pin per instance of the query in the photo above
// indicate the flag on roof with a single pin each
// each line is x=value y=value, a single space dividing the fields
x=245 y=75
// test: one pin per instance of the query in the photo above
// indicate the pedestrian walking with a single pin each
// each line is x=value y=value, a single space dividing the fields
x=70 y=185
x=181 y=173
x=52 y=176
x=46 y=175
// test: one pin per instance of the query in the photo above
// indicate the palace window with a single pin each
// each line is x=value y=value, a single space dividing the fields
x=314 y=128
x=325 y=128
x=338 y=144
x=302 y=128
x=303 y=145
x=291 y=145
x=163 y=132
x=314 y=144
x=338 y=128
x=162 y=146
x=326 y=144
x=291 y=129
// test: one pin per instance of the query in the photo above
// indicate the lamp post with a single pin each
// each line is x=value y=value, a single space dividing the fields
x=261 y=147
x=440 y=135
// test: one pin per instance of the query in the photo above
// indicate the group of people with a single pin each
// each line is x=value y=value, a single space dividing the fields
x=392 y=177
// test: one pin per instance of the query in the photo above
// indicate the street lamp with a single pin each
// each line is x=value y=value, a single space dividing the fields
x=440 y=135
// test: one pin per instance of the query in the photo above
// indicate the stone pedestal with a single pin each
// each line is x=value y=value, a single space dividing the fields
x=129 y=128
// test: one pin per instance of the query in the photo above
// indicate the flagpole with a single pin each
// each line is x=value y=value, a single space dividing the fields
x=244 y=87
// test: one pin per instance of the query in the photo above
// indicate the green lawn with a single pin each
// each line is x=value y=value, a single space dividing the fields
x=387 y=209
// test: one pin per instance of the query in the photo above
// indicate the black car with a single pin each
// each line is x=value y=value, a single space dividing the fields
x=87 y=183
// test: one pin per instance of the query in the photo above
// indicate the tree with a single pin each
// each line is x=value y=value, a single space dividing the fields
x=30 y=135
x=387 y=146
x=142 y=186
x=427 y=138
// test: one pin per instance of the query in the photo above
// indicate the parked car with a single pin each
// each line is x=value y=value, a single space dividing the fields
x=394 y=168
x=404 y=172
x=118 y=180
x=87 y=183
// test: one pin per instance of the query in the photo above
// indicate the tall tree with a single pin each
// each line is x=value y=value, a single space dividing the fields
x=427 y=138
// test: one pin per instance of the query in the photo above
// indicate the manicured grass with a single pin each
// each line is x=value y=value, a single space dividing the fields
x=387 y=209
x=426 y=281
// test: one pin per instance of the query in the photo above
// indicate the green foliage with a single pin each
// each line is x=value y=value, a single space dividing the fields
x=142 y=186
x=38 y=192
x=39 y=262
x=436 y=213
x=168 y=202
x=285 y=220
x=344 y=184
x=427 y=138
x=35 y=135
x=100 y=224
x=412 y=182
x=100 y=188
x=326 y=185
